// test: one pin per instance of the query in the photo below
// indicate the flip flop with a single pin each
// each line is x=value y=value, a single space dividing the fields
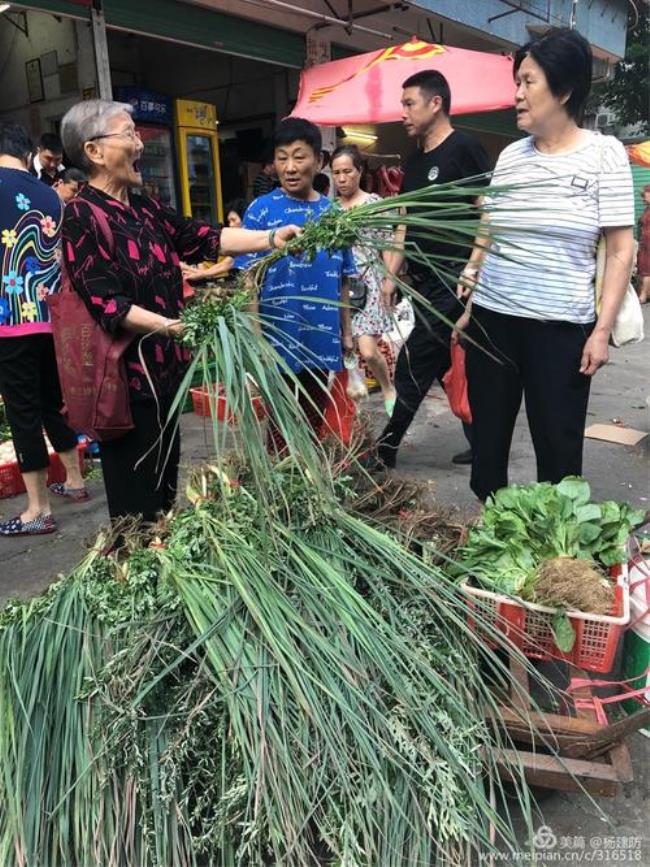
x=38 y=527
x=78 y=495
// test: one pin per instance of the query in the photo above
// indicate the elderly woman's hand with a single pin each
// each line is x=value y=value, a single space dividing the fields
x=284 y=234
x=595 y=353
x=171 y=327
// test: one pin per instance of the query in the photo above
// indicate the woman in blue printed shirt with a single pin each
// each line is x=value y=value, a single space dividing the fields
x=300 y=302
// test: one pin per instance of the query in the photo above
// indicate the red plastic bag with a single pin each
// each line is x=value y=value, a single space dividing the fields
x=90 y=361
x=340 y=411
x=455 y=385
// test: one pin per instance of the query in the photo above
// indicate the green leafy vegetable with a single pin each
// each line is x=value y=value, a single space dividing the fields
x=563 y=632
x=523 y=525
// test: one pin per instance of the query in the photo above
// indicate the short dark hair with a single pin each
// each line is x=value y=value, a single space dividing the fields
x=566 y=58
x=321 y=183
x=293 y=129
x=431 y=83
x=238 y=206
x=70 y=176
x=15 y=141
x=50 y=141
x=352 y=151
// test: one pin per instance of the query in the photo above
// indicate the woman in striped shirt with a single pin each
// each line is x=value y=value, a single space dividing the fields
x=534 y=328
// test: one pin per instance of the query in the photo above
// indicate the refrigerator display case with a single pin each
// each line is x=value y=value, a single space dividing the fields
x=157 y=164
x=198 y=152
x=153 y=116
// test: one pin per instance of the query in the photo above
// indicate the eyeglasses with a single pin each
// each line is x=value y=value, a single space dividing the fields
x=132 y=134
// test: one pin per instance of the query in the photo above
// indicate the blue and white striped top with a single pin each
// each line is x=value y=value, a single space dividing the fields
x=546 y=227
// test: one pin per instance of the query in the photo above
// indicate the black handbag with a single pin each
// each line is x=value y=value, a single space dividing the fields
x=357 y=293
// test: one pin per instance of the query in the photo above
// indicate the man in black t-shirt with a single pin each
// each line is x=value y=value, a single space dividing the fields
x=447 y=155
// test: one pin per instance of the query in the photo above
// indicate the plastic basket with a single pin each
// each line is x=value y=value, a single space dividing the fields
x=208 y=400
x=528 y=626
x=11 y=480
x=197 y=382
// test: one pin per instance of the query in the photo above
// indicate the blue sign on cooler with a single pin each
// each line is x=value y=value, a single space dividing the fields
x=148 y=106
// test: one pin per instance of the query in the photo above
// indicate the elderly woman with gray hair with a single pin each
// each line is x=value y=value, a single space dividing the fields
x=133 y=281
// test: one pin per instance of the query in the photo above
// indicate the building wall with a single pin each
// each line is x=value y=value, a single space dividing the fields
x=602 y=22
x=72 y=41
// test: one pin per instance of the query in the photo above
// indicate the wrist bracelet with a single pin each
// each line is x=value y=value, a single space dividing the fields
x=272 y=239
x=165 y=326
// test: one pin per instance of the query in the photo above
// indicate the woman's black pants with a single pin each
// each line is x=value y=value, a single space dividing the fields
x=514 y=356
x=29 y=384
x=141 y=469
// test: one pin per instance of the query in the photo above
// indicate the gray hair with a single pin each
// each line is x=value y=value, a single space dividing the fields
x=84 y=121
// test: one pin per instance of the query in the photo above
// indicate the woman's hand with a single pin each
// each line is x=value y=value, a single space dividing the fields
x=595 y=353
x=191 y=272
x=175 y=329
x=460 y=326
x=170 y=328
x=283 y=234
x=467 y=282
x=388 y=294
x=347 y=341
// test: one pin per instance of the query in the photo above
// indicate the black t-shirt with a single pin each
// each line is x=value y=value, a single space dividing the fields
x=458 y=157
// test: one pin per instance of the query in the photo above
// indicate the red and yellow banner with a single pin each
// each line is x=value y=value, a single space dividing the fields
x=367 y=88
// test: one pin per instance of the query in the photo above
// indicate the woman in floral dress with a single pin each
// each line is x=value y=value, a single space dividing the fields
x=372 y=321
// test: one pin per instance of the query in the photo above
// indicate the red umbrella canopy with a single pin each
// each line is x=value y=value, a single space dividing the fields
x=367 y=88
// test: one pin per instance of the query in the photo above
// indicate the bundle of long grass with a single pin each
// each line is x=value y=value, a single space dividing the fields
x=266 y=680
x=300 y=690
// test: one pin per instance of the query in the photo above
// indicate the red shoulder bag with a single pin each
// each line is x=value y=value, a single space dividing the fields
x=90 y=360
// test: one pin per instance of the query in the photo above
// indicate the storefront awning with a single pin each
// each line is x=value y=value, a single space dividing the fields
x=367 y=88
x=189 y=24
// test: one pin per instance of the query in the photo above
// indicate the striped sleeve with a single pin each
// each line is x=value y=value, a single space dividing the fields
x=615 y=189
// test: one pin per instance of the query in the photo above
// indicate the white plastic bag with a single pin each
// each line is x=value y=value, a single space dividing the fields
x=356 y=388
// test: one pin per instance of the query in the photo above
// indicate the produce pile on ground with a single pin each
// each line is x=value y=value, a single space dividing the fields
x=246 y=686
x=266 y=677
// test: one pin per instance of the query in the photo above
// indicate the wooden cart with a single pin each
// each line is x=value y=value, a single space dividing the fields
x=566 y=752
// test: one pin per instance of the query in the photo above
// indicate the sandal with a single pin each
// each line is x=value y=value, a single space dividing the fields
x=38 y=527
x=78 y=495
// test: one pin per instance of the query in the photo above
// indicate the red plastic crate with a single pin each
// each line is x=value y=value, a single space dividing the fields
x=528 y=626
x=203 y=400
x=11 y=480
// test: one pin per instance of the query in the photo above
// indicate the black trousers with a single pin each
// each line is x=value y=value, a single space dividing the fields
x=424 y=358
x=29 y=384
x=148 y=487
x=541 y=361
